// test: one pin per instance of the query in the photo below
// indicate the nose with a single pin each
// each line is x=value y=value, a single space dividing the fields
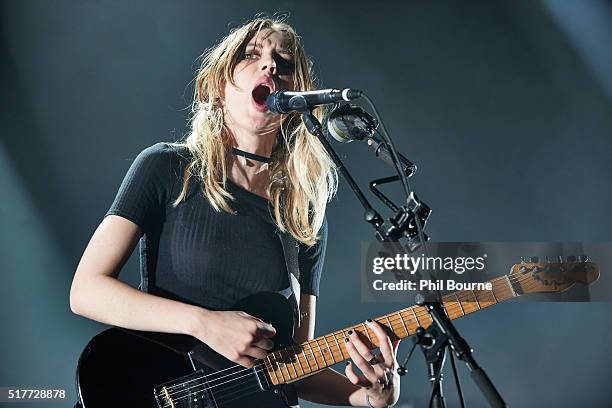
x=268 y=64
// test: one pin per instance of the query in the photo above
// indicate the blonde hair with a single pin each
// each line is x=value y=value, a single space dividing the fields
x=303 y=177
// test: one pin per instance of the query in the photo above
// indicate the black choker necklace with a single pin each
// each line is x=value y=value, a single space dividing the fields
x=251 y=156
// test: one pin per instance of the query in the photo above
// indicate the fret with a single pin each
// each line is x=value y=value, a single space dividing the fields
x=494 y=297
x=306 y=358
x=275 y=379
x=459 y=303
x=289 y=362
x=313 y=356
x=503 y=290
x=476 y=299
x=426 y=317
x=330 y=350
x=403 y=324
x=410 y=321
x=365 y=327
x=321 y=351
x=338 y=345
x=389 y=323
x=407 y=320
x=416 y=319
x=280 y=370
x=297 y=357
x=285 y=365
x=468 y=302
x=485 y=298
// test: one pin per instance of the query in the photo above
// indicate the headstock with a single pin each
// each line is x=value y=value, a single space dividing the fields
x=556 y=275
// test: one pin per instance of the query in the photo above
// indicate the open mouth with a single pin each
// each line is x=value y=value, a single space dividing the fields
x=261 y=93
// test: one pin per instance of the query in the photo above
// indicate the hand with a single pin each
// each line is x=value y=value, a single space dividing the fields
x=380 y=379
x=237 y=336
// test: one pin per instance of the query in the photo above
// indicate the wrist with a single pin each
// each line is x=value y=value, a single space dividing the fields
x=196 y=322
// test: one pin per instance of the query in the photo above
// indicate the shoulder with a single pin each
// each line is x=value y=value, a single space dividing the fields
x=162 y=159
x=164 y=151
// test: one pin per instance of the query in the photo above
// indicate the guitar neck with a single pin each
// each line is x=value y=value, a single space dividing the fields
x=299 y=361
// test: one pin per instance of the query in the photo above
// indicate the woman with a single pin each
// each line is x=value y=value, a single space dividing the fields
x=208 y=211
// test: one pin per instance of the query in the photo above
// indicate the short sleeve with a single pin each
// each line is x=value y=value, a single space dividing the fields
x=311 y=263
x=145 y=189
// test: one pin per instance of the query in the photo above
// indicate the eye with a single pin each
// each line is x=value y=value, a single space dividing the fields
x=250 y=55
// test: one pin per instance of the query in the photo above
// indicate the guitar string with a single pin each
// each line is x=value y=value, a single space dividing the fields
x=421 y=313
x=224 y=397
x=453 y=304
x=331 y=348
x=235 y=385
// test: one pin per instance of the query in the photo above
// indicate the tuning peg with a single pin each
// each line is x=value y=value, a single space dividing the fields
x=547 y=259
x=583 y=258
x=560 y=259
x=570 y=258
x=534 y=259
x=522 y=259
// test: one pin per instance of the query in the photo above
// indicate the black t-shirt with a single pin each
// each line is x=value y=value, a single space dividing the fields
x=195 y=254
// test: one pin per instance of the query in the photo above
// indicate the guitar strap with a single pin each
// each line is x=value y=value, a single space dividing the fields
x=290 y=251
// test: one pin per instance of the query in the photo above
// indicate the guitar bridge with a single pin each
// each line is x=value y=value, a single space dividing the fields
x=190 y=391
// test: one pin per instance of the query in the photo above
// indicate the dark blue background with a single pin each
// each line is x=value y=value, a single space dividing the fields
x=506 y=106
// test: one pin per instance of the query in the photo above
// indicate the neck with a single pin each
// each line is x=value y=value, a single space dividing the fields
x=302 y=360
x=253 y=142
x=252 y=175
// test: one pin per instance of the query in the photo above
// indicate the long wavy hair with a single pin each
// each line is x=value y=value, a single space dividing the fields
x=303 y=177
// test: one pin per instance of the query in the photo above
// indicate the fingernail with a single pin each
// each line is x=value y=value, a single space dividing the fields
x=350 y=332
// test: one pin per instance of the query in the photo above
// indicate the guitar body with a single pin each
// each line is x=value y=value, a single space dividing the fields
x=123 y=367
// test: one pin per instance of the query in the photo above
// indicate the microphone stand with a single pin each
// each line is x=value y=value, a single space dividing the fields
x=443 y=331
x=371 y=216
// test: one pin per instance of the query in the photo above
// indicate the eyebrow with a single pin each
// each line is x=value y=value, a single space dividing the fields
x=280 y=50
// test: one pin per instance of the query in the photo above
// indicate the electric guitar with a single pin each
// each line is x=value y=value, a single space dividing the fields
x=121 y=368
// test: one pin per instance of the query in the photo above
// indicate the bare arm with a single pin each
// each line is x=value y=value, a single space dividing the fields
x=329 y=386
x=96 y=293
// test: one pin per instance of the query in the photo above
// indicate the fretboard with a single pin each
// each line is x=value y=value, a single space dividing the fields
x=299 y=361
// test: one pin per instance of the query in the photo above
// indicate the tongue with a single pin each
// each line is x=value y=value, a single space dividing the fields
x=260 y=94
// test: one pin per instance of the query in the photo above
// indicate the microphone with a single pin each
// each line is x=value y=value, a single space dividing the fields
x=350 y=122
x=284 y=101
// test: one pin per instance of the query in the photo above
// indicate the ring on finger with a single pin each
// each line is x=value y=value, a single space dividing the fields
x=374 y=360
x=384 y=383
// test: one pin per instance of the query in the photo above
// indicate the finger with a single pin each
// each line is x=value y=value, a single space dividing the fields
x=354 y=378
x=365 y=367
x=265 y=329
x=246 y=361
x=385 y=346
x=255 y=352
x=261 y=328
x=360 y=345
x=265 y=344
